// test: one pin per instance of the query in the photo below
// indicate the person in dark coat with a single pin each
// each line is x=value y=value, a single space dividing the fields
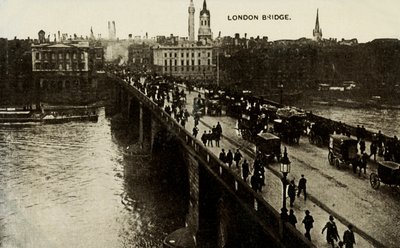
x=195 y=131
x=308 y=224
x=362 y=146
x=348 y=237
x=292 y=192
x=292 y=218
x=217 y=138
x=219 y=128
x=210 y=138
x=254 y=182
x=302 y=187
x=229 y=158
x=373 y=149
x=245 y=170
x=238 y=156
x=204 y=138
x=222 y=156
x=332 y=234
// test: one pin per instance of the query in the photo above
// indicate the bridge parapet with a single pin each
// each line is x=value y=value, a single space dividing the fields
x=260 y=212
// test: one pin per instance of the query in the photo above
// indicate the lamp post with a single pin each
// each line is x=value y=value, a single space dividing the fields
x=280 y=86
x=285 y=169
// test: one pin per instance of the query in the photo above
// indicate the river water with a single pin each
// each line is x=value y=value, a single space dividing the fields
x=386 y=120
x=70 y=185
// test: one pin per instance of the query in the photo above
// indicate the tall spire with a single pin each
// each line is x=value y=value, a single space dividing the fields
x=317 y=32
x=204 y=10
x=191 y=11
x=204 y=24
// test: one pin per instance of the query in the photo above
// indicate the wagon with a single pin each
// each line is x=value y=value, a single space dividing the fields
x=388 y=173
x=247 y=126
x=198 y=106
x=342 y=150
x=269 y=145
x=250 y=124
x=213 y=106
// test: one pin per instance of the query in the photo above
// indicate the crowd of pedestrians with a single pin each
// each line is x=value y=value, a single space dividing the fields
x=257 y=170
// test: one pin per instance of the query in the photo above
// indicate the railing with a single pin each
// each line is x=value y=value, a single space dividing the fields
x=263 y=213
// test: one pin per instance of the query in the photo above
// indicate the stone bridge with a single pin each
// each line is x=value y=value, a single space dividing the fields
x=223 y=211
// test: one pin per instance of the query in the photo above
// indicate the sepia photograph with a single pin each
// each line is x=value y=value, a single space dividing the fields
x=199 y=123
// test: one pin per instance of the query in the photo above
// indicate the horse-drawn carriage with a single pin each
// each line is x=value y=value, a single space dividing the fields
x=290 y=124
x=247 y=125
x=199 y=106
x=342 y=150
x=319 y=133
x=214 y=103
x=388 y=173
x=268 y=145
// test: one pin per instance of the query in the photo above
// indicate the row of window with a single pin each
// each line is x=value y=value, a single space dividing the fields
x=53 y=85
x=187 y=69
x=175 y=63
x=203 y=22
x=51 y=55
x=53 y=66
x=175 y=55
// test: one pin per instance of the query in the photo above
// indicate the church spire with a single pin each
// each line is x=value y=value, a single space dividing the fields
x=317 y=22
x=204 y=27
x=317 y=32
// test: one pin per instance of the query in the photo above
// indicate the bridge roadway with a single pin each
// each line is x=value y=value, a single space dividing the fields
x=330 y=191
x=348 y=197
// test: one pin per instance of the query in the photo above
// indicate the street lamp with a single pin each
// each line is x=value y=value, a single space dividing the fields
x=280 y=86
x=285 y=169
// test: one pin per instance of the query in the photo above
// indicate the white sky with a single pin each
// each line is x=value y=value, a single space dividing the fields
x=361 y=19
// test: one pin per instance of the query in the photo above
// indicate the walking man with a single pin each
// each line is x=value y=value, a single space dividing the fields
x=238 y=156
x=292 y=218
x=332 y=234
x=292 y=192
x=308 y=224
x=245 y=170
x=204 y=138
x=210 y=138
x=348 y=237
x=195 y=131
x=222 y=156
x=302 y=187
x=229 y=158
x=254 y=182
x=219 y=128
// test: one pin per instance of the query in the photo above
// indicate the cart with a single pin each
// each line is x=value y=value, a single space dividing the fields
x=269 y=145
x=199 y=106
x=388 y=173
x=342 y=150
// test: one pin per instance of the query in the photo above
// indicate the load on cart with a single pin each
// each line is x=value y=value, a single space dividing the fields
x=290 y=124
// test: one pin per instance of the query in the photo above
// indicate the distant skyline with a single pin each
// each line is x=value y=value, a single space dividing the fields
x=362 y=19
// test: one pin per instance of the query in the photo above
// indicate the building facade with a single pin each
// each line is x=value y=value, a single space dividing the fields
x=67 y=72
x=188 y=61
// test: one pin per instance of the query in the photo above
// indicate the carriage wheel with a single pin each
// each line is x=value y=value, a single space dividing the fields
x=374 y=180
x=331 y=158
x=246 y=134
x=337 y=162
x=310 y=139
x=319 y=141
